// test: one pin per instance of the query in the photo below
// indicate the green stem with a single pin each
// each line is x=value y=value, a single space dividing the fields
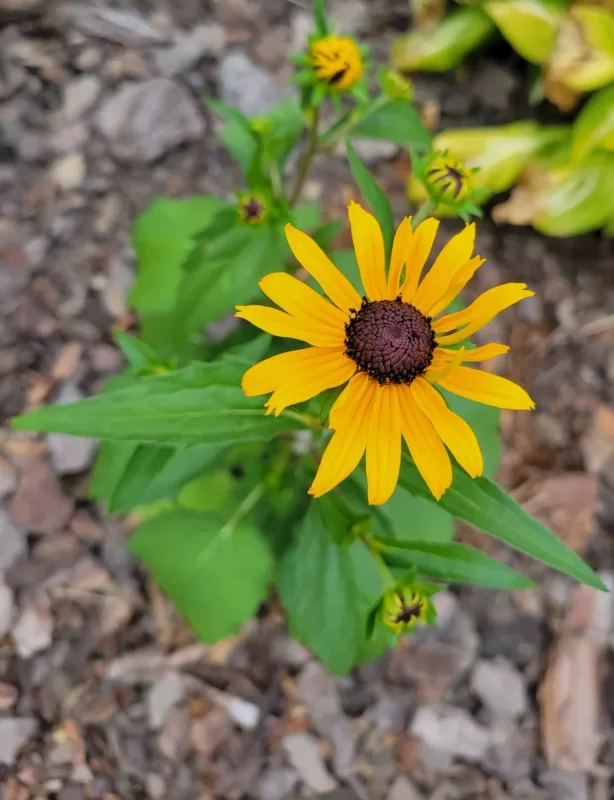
x=330 y=137
x=308 y=420
x=373 y=547
x=243 y=510
x=428 y=207
x=310 y=151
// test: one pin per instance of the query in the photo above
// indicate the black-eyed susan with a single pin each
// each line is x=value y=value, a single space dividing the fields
x=393 y=346
x=447 y=179
x=252 y=208
x=406 y=604
x=336 y=61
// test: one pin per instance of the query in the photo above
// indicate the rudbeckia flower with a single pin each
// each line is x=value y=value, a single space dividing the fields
x=336 y=61
x=393 y=347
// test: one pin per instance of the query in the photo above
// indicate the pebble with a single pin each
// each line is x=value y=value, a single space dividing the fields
x=34 y=629
x=8 y=478
x=247 y=86
x=189 y=49
x=165 y=693
x=494 y=85
x=115 y=25
x=144 y=120
x=500 y=687
x=14 y=733
x=80 y=96
x=301 y=27
x=68 y=172
x=562 y=785
x=304 y=755
x=370 y=151
x=8 y=696
x=276 y=784
x=7 y=608
x=70 y=454
x=403 y=789
x=89 y=59
x=451 y=730
x=39 y=504
x=350 y=16
x=13 y=544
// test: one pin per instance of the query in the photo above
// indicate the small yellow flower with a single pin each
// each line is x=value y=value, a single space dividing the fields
x=447 y=179
x=252 y=209
x=403 y=607
x=336 y=61
x=391 y=346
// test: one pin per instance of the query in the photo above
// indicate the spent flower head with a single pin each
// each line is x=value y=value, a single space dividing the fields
x=393 y=345
x=253 y=208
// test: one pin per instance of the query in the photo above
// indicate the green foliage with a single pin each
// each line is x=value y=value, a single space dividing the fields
x=218 y=487
x=217 y=570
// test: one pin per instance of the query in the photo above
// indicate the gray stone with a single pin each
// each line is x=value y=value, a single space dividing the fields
x=8 y=478
x=189 y=49
x=165 y=693
x=403 y=789
x=248 y=87
x=350 y=16
x=275 y=784
x=13 y=543
x=33 y=632
x=501 y=687
x=494 y=85
x=115 y=25
x=371 y=151
x=304 y=754
x=301 y=26
x=80 y=95
x=14 y=733
x=144 y=120
x=562 y=785
x=68 y=172
x=70 y=454
x=451 y=730
x=7 y=608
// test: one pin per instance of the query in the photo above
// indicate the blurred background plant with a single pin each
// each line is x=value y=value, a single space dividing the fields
x=561 y=176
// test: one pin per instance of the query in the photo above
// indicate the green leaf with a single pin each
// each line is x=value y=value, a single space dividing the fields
x=412 y=518
x=305 y=217
x=111 y=463
x=328 y=590
x=374 y=195
x=162 y=239
x=140 y=355
x=285 y=124
x=325 y=235
x=594 y=126
x=215 y=570
x=143 y=467
x=319 y=17
x=397 y=122
x=216 y=285
x=202 y=403
x=485 y=422
x=482 y=503
x=185 y=465
x=452 y=562
x=236 y=135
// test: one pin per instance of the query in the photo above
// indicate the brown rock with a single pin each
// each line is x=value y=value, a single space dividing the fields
x=40 y=505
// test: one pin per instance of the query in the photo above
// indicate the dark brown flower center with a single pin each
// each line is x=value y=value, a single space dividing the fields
x=390 y=340
x=252 y=209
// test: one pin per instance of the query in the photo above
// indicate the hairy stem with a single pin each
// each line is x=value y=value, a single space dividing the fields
x=428 y=207
x=310 y=151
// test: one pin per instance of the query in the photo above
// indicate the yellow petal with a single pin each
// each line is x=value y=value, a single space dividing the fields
x=458 y=283
x=455 y=433
x=455 y=254
x=421 y=245
x=479 y=313
x=268 y=375
x=369 y=247
x=483 y=387
x=383 y=445
x=277 y=323
x=347 y=444
x=443 y=363
x=302 y=301
x=340 y=411
x=313 y=259
x=330 y=368
x=483 y=353
x=401 y=249
x=425 y=446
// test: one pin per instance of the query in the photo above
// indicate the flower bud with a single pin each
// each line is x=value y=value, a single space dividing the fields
x=252 y=208
x=336 y=61
x=404 y=606
x=446 y=179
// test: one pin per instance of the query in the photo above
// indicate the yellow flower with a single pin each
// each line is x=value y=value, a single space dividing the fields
x=336 y=61
x=392 y=346
x=447 y=179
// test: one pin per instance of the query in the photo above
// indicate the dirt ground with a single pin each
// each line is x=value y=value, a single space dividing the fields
x=103 y=691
